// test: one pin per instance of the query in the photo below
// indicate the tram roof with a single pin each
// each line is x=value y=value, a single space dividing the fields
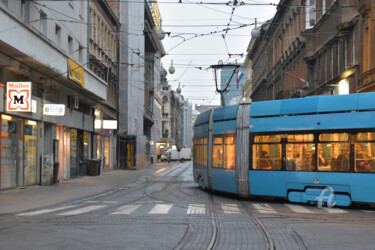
x=225 y=113
x=203 y=118
x=314 y=104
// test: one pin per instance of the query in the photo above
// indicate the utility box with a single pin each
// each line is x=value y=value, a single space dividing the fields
x=93 y=167
x=47 y=169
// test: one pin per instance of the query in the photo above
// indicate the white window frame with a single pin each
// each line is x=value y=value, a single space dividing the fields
x=310 y=13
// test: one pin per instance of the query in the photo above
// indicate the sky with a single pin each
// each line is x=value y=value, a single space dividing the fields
x=197 y=40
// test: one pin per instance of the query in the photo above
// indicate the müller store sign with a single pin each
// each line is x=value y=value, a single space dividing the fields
x=19 y=96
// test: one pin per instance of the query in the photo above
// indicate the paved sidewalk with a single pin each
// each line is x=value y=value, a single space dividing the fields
x=31 y=197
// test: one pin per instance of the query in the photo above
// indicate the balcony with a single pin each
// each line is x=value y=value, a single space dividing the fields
x=165 y=115
x=148 y=114
x=366 y=81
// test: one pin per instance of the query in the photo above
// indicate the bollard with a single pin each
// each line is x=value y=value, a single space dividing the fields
x=55 y=172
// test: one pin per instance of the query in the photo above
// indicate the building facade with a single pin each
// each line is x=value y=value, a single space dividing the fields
x=103 y=61
x=366 y=78
x=58 y=126
x=140 y=50
x=188 y=125
x=310 y=47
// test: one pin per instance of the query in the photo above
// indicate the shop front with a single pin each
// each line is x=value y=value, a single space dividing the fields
x=127 y=149
x=78 y=152
x=19 y=149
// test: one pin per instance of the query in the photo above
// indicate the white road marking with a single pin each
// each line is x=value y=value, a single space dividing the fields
x=110 y=202
x=196 y=209
x=83 y=210
x=332 y=210
x=188 y=178
x=161 y=209
x=368 y=211
x=44 y=211
x=264 y=208
x=230 y=209
x=91 y=201
x=299 y=209
x=127 y=209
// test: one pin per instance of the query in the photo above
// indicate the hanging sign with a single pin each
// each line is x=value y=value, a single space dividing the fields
x=76 y=73
x=19 y=96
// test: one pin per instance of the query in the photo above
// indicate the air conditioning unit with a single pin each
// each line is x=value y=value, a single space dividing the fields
x=73 y=102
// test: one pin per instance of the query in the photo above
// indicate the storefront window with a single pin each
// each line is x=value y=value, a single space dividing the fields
x=85 y=145
x=9 y=151
x=30 y=144
x=96 y=147
x=73 y=152
x=106 y=151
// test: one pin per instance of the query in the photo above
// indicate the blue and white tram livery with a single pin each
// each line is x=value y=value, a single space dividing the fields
x=296 y=149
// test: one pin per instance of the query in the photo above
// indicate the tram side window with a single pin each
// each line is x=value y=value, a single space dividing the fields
x=267 y=152
x=364 y=147
x=205 y=151
x=229 y=152
x=218 y=152
x=195 y=151
x=300 y=152
x=224 y=152
x=200 y=151
x=334 y=152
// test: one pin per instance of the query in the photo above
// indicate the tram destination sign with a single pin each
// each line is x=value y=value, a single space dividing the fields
x=19 y=96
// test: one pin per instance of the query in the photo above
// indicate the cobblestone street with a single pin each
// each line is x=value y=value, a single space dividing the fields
x=165 y=209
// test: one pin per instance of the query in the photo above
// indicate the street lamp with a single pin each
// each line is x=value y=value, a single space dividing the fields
x=171 y=69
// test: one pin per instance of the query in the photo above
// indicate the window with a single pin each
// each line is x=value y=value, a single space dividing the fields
x=43 y=23
x=364 y=148
x=334 y=152
x=200 y=151
x=58 y=35
x=300 y=152
x=25 y=10
x=80 y=53
x=70 y=44
x=224 y=152
x=267 y=152
x=310 y=13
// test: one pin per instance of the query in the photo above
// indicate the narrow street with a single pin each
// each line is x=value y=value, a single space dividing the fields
x=166 y=210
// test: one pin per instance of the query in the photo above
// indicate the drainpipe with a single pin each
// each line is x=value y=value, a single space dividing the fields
x=42 y=138
x=88 y=34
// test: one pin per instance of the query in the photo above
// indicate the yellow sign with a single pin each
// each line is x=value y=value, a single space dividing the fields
x=154 y=8
x=76 y=72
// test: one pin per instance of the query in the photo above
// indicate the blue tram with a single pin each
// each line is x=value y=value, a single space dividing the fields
x=296 y=149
